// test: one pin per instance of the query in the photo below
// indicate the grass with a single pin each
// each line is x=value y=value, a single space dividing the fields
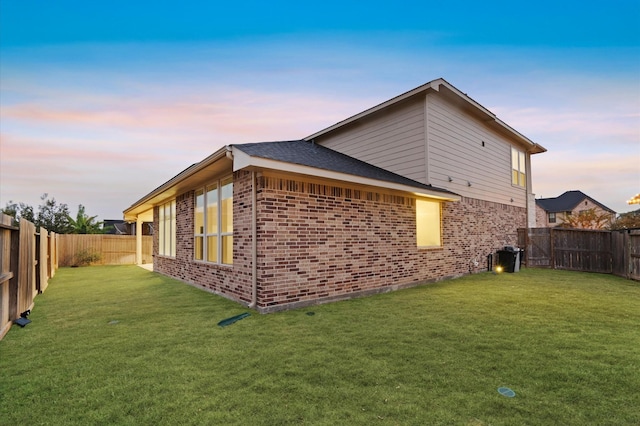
x=120 y=345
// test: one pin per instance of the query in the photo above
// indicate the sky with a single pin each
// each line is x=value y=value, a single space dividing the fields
x=101 y=102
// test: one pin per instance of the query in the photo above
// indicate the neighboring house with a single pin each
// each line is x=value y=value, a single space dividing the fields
x=118 y=227
x=121 y=227
x=552 y=212
x=419 y=188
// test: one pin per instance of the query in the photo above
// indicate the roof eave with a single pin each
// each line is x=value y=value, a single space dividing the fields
x=169 y=188
x=243 y=160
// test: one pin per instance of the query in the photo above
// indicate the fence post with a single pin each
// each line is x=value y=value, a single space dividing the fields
x=552 y=251
x=14 y=283
x=527 y=249
x=8 y=273
x=626 y=252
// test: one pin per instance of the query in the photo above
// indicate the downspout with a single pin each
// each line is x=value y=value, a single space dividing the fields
x=530 y=196
x=254 y=243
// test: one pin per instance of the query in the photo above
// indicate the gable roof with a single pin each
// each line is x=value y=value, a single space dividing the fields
x=567 y=202
x=443 y=87
x=320 y=158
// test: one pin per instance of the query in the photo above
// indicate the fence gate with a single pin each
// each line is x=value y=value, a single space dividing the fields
x=537 y=243
x=627 y=242
x=634 y=255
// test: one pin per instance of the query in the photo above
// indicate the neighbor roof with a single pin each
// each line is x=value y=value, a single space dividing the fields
x=567 y=202
x=306 y=153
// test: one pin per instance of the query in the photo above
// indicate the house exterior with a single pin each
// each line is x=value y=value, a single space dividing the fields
x=121 y=227
x=552 y=212
x=417 y=189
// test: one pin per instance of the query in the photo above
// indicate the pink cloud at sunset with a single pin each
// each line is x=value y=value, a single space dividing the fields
x=104 y=123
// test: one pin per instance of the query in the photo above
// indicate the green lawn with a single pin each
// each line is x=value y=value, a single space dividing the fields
x=120 y=345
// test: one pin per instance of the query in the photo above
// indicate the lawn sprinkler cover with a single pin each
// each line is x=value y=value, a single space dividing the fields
x=506 y=392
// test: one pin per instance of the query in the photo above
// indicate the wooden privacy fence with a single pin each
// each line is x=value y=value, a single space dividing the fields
x=609 y=252
x=102 y=249
x=27 y=260
x=628 y=243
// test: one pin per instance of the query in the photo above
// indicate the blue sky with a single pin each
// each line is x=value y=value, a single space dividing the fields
x=102 y=102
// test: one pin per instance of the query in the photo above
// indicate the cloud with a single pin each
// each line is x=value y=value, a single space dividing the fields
x=240 y=114
x=94 y=121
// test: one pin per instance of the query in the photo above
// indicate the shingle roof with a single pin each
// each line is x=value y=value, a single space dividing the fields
x=567 y=202
x=309 y=154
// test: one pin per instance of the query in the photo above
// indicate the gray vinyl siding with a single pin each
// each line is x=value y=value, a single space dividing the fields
x=455 y=150
x=450 y=145
x=392 y=139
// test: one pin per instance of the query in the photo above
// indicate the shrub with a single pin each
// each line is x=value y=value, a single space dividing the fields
x=85 y=257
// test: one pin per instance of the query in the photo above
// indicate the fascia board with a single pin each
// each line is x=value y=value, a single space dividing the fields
x=435 y=86
x=156 y=196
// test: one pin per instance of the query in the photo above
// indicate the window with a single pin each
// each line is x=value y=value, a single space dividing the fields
x=518 y=168
x=552 y=218
x=167 y=229
x=428 y=219
x=213 y=223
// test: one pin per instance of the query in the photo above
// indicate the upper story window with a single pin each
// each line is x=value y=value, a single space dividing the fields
x=167 y=229
x=428 y=223
x=213 y=222
x=518 y=168
x=552 y=218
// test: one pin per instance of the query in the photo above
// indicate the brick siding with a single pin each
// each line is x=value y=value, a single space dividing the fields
x=231 y=281
x=322 y=242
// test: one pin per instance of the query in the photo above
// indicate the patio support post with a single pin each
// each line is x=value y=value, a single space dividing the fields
x=138 y=241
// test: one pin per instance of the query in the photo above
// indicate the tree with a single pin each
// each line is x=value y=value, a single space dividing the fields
x=587 y=219
x=50 y=215
x=17 y=211
x=630 y=220
x=85 y=224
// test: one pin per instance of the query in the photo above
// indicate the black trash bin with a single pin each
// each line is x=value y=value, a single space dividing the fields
x=509 y=259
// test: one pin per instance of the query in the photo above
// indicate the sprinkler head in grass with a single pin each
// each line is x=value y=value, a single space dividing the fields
x=506 y=392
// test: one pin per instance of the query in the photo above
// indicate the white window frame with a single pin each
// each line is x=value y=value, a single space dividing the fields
x=167 y=229
x=518 y=168
x=219 y=233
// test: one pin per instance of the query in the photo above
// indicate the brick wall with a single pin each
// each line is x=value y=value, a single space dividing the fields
x=231 y=281
x=324 y=247
x=542 y=218
x=319 y=242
